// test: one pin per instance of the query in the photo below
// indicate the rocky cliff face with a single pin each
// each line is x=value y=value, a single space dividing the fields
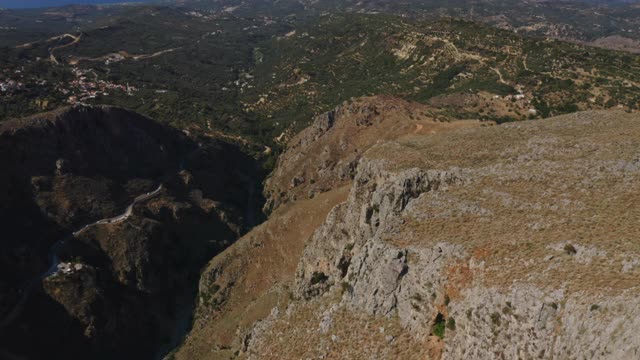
x=325 y=155
x=245 y=282
x=520 y=244
x=123 y=211
x=513 y=241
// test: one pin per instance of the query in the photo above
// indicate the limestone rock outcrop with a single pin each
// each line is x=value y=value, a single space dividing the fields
x=475 y=250
x=484 y=242
x=324 y=156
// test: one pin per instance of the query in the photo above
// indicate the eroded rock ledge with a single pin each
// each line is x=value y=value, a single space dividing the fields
x=505 y=242
x=512 y=241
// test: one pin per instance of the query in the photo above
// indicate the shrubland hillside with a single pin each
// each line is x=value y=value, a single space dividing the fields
x=264 y=78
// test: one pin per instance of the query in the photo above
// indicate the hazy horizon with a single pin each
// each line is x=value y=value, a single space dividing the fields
x=23 y=4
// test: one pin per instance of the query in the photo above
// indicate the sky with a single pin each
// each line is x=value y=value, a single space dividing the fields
x=44 y=3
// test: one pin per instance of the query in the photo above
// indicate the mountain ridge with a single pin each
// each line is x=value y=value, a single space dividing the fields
x=449 y=245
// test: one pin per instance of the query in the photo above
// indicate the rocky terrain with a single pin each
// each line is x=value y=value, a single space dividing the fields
x=324 y=156
x=108 y=217
x=424 y=201
x=510 y=241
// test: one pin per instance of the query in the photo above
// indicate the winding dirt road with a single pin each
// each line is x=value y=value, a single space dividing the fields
x=124 y=216
x=125 y=55
x=52 y=56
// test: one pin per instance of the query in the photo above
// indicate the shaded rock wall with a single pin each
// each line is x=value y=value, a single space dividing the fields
x=124 y=283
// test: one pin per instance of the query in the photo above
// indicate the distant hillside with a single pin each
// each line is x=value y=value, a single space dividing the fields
x=576 y=20
x=263 y=78
x=23 y=4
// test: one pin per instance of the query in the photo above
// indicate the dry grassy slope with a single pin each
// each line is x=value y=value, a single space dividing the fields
x=532 y=189
x=325 y=155
x=244 y=283
x=525 y=235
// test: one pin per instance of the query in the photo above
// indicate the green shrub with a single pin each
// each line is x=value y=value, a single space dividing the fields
x=495 y=319
x=438 y=326
x=451 y=324
x=570 y=249
x=346 y=287
x=318 y=277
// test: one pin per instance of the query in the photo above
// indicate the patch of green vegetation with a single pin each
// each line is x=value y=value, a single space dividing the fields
x=505 y=119
x=496 y=319
x=438 y=328
x=208 y=297
x=570 y=249
x=318 y=277
x=490 y=83
x=261 y=82
x=440 y=83
x=346 y=287
x=451 y=324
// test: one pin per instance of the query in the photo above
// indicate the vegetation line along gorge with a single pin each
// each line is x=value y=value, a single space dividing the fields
x=320 y=179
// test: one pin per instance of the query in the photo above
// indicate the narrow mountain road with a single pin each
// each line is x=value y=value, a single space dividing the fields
x=58 y=37
x=124 y=216
x=125 y=55
x=55 y=260
x=525 y=64
x=52 y=56
x=499 y=76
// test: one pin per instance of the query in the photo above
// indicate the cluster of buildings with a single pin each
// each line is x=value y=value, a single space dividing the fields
x=201 y=15
x=7 y=86
x=82 y=88
x=516 y=97
x=114 y=58
x=68 y=268
x=10 y=80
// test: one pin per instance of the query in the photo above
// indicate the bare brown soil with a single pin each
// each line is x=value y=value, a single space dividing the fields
x=253 y=276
